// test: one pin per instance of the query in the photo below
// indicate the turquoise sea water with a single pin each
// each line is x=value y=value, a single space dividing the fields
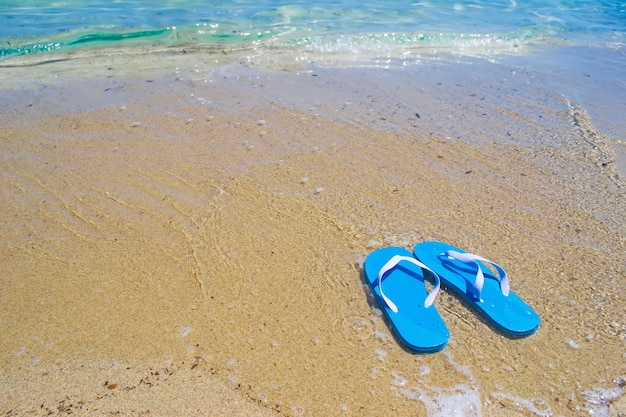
x=573 y=46
x=344 y=27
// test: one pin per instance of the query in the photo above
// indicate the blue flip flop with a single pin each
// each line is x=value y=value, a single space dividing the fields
x=405 y=300
x=467 y=275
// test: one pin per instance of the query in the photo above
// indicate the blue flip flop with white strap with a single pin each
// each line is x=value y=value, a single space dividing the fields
x=397 y=280
x=489 y=293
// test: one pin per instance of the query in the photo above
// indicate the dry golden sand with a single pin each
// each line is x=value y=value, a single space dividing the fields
x=163 y=258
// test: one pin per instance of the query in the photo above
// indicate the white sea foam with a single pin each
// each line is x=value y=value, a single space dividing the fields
x=385 y=337
x=459 y=401
x=537 y=406
x=464 y=369
x=572 y=343
x=598 y=400
x=462 y=400
x=381 y=354
x=398 y=380
x=374 y=243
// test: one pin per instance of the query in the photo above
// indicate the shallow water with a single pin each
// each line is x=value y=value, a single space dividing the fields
x=231 y=210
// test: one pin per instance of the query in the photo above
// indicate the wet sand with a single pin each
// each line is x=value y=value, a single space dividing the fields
x=188 y=247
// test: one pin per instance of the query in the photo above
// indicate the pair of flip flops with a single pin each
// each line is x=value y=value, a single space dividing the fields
x=398 y=277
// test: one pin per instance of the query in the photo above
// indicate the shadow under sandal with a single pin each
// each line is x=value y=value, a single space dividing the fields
x=397 y=280
x=467 y=275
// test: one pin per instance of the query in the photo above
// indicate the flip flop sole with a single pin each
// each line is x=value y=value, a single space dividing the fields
x=420 y=329
x=510 y=314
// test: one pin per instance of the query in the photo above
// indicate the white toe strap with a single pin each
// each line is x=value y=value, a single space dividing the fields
x=471 y=259
x=392 y=263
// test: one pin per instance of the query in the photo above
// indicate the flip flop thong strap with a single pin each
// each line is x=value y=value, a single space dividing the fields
x=471 y=259
x=391 y=264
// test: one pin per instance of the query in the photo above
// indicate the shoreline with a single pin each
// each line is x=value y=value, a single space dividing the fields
x=218 y=229
x=543 y=77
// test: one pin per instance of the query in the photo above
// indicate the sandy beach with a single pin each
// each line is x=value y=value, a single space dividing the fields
x=177 y=246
